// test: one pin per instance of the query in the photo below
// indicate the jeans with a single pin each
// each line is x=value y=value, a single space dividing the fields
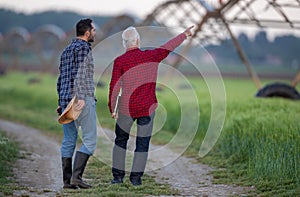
x=87 y=122
x=122 y=131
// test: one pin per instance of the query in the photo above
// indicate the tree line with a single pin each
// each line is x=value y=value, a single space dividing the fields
x=282 y=51
x=64 y=20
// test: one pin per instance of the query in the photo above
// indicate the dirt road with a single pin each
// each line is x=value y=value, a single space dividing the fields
x=40 y=169
x=192 y=178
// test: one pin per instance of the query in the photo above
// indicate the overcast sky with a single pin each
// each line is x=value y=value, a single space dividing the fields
x=140 y=8
x=100 y=7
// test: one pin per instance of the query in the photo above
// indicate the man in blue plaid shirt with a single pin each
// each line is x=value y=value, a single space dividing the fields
x=76 y=78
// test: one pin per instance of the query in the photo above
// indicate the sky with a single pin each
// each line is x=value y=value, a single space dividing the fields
x=139 y=8
x=101 y=7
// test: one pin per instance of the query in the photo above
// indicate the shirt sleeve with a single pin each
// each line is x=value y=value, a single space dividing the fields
x=81 y=60
x=58 y=84
x=163 y=51
x=115 y=85
x=172 y=44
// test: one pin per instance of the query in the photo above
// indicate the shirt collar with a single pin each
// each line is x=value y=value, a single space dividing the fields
x=80 y=40
x=132 y=49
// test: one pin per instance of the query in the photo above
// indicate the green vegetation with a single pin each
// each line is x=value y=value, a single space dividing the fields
x=259 y=145
x=30 y=99
x=8 y=155
x=260 y=142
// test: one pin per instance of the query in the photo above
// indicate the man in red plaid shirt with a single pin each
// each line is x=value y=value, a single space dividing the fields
x=135 y=74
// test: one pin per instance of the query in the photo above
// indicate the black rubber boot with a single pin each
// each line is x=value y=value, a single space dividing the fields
x=118 y=176
x=135 y=178
x=67 y=173
x=79 y=166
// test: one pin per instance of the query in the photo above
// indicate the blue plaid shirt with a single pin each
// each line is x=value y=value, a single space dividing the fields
x=76 y=72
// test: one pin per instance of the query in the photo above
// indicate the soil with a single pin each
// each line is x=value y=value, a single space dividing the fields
x=191 y=178
x=40 y=171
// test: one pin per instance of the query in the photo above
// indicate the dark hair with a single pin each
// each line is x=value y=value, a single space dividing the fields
x=83 y=25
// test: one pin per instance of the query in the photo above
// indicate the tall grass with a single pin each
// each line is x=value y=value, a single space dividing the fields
x=261 y=137
x=266 y=137
x=260 y=142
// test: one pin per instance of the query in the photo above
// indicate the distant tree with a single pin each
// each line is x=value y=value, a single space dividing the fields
x=288 y=48
x=243 y=39
x=65 y=20
x=261 y=38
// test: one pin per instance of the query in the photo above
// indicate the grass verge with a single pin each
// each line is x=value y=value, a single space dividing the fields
x=8 y=155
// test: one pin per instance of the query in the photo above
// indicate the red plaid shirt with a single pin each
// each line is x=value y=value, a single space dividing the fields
x=136 y=73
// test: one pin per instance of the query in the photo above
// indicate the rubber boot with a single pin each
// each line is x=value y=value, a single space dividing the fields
x=118 y=176
x=67 y=173
x=79 y=166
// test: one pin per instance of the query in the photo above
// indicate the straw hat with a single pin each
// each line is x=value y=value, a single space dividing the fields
x=69 y=114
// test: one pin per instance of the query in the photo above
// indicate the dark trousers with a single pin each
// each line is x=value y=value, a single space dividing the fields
x=122 y=131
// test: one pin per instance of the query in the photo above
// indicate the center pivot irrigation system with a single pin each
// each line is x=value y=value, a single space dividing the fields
x=213 y=18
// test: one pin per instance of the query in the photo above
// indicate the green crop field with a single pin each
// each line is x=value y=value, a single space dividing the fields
x=259 y=144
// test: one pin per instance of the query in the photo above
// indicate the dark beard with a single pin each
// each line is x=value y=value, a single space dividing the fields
x=91 y=39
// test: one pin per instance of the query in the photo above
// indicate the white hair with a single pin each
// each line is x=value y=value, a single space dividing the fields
x=130 y=37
